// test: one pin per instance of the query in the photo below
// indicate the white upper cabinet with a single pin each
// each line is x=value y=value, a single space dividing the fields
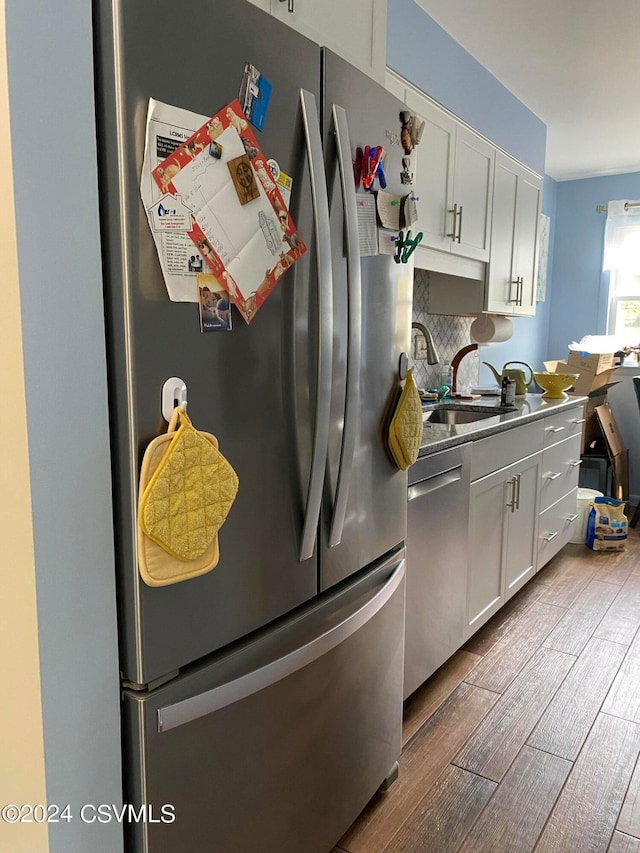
x=511 y=277
x=453 y=181
x=472 y=194
x=354 y=29
x=433 y=164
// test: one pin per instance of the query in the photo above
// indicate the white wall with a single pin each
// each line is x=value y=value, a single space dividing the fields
x=50 y=79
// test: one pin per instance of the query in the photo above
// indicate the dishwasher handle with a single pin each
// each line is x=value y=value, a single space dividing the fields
x=440 y=481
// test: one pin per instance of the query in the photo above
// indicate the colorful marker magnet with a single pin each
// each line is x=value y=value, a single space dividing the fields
x=357 y=167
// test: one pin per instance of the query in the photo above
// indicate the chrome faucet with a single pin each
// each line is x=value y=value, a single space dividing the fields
x=432 y=352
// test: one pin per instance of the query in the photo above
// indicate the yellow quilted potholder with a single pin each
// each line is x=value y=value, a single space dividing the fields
x=157 y=567
x=189 y=495
x=405 y=429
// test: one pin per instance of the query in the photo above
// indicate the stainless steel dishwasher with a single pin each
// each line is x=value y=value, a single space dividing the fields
x=437 y=559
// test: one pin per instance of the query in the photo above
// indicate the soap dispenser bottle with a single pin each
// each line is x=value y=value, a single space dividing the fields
x=507 y=392
x=446 y=377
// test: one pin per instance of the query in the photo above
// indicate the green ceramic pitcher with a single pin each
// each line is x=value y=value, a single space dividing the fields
x=517 y=375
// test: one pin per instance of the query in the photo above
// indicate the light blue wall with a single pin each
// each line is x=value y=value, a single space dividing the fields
x=422 y=52
x=530 y=334
x=578 y=299
x=50 y=67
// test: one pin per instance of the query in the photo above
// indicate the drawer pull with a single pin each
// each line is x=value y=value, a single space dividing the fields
x=555 y=429
x=553 y=476
x=551 y=536
x=512 y=481
x=572 y=518
x=579 y=421
x=575 y=463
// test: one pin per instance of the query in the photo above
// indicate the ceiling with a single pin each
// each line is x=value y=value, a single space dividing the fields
x=574 y=63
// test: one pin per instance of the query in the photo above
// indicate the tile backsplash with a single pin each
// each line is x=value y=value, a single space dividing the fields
x=449 y=334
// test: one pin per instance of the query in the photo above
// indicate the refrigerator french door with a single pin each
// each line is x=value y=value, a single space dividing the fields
x=287 y=656
x=253 y=387
x=365 y=507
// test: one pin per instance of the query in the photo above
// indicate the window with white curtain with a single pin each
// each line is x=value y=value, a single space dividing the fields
x=622 y=260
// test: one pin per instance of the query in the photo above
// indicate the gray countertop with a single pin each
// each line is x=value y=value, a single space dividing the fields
x=436 y=437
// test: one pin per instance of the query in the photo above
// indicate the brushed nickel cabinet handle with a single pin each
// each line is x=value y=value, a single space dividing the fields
x=575 y=463
x=460 y=225
x=518 y=479
x=454 y=211
x=551 y=536
x=572 y=518
x=554 y=429
x=290 y=5
x=512 y=503
x=553 y=476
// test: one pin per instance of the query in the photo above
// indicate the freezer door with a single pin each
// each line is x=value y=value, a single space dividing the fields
x=255 y=387
x=280 y=745
x=365 y=504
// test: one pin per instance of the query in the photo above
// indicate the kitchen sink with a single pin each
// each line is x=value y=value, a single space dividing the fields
x=462 y=413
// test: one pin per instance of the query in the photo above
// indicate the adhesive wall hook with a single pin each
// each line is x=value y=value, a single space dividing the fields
x=174 y=393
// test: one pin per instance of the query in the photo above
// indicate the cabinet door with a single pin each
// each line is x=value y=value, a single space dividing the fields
x=502 y=288
x=355 y=30
x=433 y=168
x=526 y=241
x=473 y=194
x=485 y=594
x=522 y=544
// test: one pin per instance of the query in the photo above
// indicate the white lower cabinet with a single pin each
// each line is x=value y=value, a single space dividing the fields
x=487 y=535
x=558 y=484
x=503 y=518
x=522 y=508
x=521 y=550
x=556 y=526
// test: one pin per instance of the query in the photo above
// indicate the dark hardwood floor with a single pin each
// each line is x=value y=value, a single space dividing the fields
x=528 y=738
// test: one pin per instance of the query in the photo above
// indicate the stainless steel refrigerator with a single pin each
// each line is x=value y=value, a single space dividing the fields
x=262 y=700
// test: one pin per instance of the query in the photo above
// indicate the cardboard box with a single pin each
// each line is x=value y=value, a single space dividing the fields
x=595 y=363
x=556 y=367
x=620 y=465
x=618 y=453
x=588 y=382
x=610 y=430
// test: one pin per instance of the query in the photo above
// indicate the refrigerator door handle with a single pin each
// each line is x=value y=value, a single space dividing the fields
x=188 y=710
x=354 y=331
x=320 y=203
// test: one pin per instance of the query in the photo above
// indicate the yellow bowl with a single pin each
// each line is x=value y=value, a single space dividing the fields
x=555 y=384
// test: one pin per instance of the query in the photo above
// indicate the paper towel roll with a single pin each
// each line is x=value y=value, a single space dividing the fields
x=491 y=328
